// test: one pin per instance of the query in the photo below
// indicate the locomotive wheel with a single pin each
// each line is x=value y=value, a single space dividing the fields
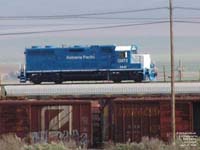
x=138 y=78
x=36 y=81
x=58 y=79
x=117 y=80
x=58 y=82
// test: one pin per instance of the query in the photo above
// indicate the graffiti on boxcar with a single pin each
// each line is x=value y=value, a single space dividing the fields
x=75 y=135
x=45 y=136
x=38 y=137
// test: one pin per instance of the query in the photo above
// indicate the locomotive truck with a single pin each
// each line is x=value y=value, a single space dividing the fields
x=84 y=63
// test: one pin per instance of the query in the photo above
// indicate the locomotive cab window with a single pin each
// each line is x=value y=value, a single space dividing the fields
x=123 y=55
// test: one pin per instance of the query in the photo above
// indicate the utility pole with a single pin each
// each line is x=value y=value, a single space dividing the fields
x=180 y=70
x=173 y=123
x=199 y=75
x=0 y=88
x=164 y=74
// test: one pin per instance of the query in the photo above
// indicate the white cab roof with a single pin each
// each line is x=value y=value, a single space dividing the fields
x=125 y=48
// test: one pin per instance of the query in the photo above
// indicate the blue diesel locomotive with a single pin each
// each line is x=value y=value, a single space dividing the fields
x=84 y=63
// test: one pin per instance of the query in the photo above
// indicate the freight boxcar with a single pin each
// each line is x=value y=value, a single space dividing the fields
x=79 y=63
x=117 y=119
x=130 y=119
x=45 y=121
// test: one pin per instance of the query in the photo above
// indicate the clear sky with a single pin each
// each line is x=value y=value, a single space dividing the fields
x=152 y=38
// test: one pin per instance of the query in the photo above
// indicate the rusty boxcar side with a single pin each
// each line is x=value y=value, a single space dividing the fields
x=47 y=120
x=131 y=120
x=96 y=119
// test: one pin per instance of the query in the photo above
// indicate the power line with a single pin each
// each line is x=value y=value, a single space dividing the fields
x=92 y=15
x=66 y=24
x=35 y=25
x=80 y=15
x=96 y=28
x=137 y=18
x=56 y=24
x=109 y=18
x=178 y=19
x=187 y=8
x=122 y=18
x=88 y=15
x=82 y=29
x=183 y=21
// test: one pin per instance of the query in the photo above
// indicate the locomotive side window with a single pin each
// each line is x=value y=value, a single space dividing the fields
x=122 y=55
x=76 y=49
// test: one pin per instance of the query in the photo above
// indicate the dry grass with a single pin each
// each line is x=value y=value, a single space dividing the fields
x=10 y=142
x=151 y=144
x=45 y=146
